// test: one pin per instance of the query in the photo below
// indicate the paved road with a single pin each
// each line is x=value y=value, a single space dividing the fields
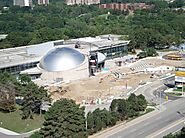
x=152 y=91
x=156 y=126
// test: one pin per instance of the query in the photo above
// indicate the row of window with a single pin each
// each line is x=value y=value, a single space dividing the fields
x=114 y=52
x=18 y=68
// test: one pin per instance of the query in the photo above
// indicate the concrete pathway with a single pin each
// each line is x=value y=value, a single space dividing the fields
x=8 y=132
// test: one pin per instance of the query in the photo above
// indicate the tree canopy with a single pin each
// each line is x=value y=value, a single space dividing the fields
x=64 y=119
x=26 y=26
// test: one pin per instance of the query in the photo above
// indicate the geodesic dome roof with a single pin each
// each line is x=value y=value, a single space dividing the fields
x=61 y=59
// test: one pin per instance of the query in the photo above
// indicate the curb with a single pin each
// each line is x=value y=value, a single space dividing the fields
x=126 y=124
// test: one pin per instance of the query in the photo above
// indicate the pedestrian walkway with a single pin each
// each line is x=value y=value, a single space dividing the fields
x=5 y=133
x=8 y=132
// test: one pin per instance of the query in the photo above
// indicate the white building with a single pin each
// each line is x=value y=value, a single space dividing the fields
x=22 y=3
x=86 y=2
x=43 y=2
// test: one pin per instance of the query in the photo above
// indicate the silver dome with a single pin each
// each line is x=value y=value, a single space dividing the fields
x=60 y=59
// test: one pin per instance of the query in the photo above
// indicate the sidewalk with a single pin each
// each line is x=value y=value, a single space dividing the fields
x=13 y=134
x=8 y=132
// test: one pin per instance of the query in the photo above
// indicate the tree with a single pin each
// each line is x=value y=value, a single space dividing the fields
x=169 y=136
x=123 y=109
x=64 y=119
x=114 y=105
x=33 y=98
x=148 y=52
x=99 y=119
x=8 y=90
x=180 y=134
x=35 y=135
x=90 y=123
x=142 y=102
x=24 y=78
x=135 y=104
x=151 y=52
x=7 y=100
x=177 y=4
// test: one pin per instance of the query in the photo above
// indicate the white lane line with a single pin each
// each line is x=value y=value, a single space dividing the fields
x=132 y=130
x=146 y=124
x=158 y=118
x=142 y=132
x=155 y=134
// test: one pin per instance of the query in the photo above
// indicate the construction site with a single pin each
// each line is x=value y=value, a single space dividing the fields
x=115 y=82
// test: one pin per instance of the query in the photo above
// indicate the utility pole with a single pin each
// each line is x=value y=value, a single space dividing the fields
x=182 y=88
x=160 y=99
x=86 y=123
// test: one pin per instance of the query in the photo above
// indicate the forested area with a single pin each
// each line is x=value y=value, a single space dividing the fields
x=156 y=27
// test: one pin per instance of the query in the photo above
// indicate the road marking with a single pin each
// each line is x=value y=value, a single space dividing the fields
x=132 y=130
x=141 y=132
x=158 y=118
x=155 y=134
x=146 y=124
x=122 y=126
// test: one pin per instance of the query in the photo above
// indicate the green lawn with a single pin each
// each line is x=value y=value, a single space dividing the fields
x=179 y=89
x=174 y=94
x=13 y=121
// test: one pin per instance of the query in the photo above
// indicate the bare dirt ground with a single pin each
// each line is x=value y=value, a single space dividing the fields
x=105 y=85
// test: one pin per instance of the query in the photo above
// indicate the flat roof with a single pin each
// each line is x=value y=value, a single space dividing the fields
x=99 y=42
x=15 y=56
x=33 y=53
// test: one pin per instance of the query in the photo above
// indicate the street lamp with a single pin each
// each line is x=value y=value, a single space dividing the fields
x=86 y=123
x=182 y=87
x=160 y=99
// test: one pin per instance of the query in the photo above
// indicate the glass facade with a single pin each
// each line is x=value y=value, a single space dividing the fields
x=18 y=68
x=114 y=51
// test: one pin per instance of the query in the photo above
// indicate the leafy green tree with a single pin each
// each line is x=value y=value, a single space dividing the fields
x=64 y=119
x=18 y=38
x=114 y=105
x=180 y=134
x=35 y=135
x=7 y=97
x=133 y=100
x=169 y=136
x=33 y=98
x=142 y=102
x=147 y=53
x=151 y=52
x=8 y=90
x=114 y=118
x=24 y=78
x=99 y=119
x=123 y=109
x=90 y=123
x=177 y=4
